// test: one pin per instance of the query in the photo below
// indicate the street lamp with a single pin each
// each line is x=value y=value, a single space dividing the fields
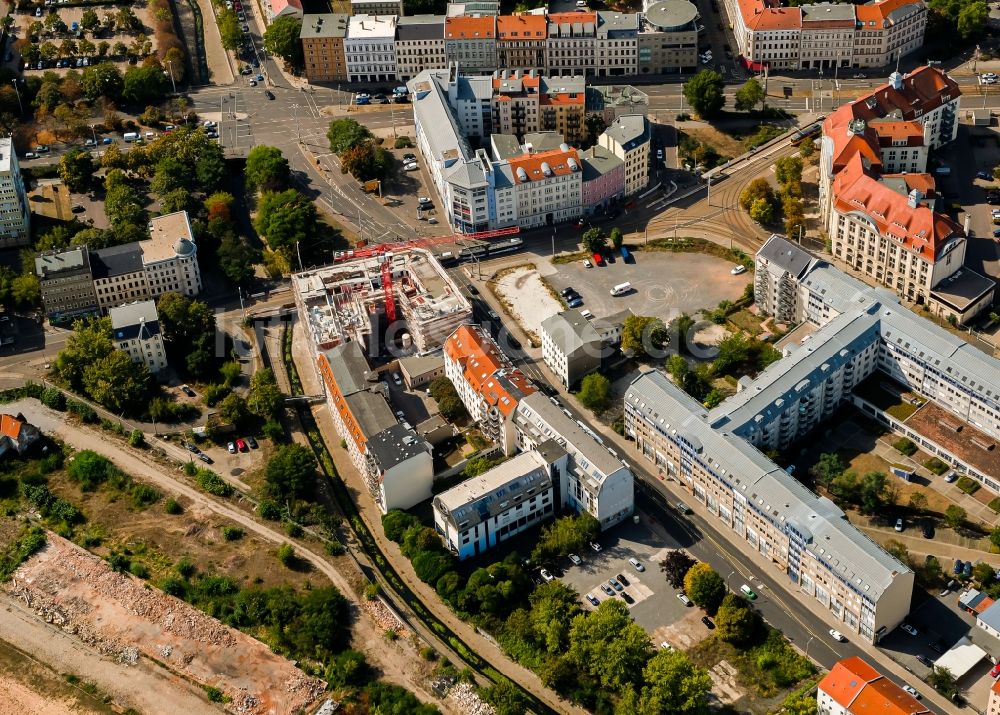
x=94 y=132
x=18 y=93
x=170 y=66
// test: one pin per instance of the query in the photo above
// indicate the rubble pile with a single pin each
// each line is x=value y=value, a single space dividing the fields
x=464 y=695
x=122 y=617
x=385 y=616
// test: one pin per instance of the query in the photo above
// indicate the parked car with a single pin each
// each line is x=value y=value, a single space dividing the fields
x=899 y=524
x=241 y=445
x=636 y=564
x=995 y=671
x=252 y=443
x=967 y=569
x=614 y=584
x=958 y=567
x=984 y=175
x=938 y=646
x=909 y=629
x=746 y=591
x=269 y=94
x=912 y=691
x=684 y=599
x=567 y=291
x=924 y=660
x=231 y=447
x=575 y=303
x=205 y=458
x=607 y=589
x=546 y=576
x=627 y=597
x=837 y=635
x=188 y=391
x=621 y=579
x=593 y=600
x=708 y=623
x=595 y=546
x=951 y=477
x=575 y=559
x=738 y=270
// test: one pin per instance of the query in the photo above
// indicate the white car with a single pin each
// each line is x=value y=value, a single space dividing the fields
x=588 y=264
x=738 y=270
x=575 y=559
x=410 y=167
x=666 y=646
x=595 y=546
x=837 y=635
x=909 y=629
x=546 y=576
x=899 y=524
x=684 y=599
x=912 y=691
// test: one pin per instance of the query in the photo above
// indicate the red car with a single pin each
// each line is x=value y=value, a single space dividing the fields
x=598 y=259
x=242 y=446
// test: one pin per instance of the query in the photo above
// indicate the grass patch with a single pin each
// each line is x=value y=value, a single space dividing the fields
x=747 y=322
x=901 y=411
x=887 y=401
x=700 y=245
x=995 y=504
x=764 y=669
x=969 y=486
x=571 y=257
x=937 y=466
x=905 y=446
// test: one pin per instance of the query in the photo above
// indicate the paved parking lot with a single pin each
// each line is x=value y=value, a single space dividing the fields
x=663 y=284
x=655 y=602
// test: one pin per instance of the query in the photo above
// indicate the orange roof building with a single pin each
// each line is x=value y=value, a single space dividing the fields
x=472 y=43
x=993 y=705
x=853 y=687
x=16 y=434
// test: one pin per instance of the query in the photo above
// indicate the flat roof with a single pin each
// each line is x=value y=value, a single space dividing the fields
x=570 y=331
x=963 y=289
x=6 y=152
x=322 y=25
x=974 y=447
x=395 y=445
x=67 y=259
x=366 y=27
x=169 y=236
x=672 y=15
x=963 y=657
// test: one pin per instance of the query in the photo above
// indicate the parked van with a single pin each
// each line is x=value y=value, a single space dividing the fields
x=130 y=136
x=150 y=135
x=586 y=314
x=621 y=289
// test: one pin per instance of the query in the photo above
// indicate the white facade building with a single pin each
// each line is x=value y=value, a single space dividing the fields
x=370 y=48
x=135 y=329
x=571 y=347
x=15 y=215
x=628 y=138
x=170 y=256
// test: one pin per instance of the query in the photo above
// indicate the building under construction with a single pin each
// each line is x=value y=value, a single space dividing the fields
x=366 y=293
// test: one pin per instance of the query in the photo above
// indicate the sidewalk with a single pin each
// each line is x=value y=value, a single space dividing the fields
x=372 y=517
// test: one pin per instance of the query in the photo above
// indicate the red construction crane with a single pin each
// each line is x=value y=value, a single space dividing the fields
x=390 y=301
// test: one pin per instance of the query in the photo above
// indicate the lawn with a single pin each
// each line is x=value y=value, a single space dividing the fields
x=885 y=400
x=747 y=322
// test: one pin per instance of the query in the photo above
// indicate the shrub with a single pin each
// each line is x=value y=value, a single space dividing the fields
x=372 y=591
x=215 y=695
x=143 y=495
x=139 y=570
x=268 y=510
x=137 y=439
x=90 y=469
x=232 y=533
x=403 y=143
x=293 y=530
x=967 y=485
x=54 y=398
x=185 y=568
x=286 y=555
x=334 y=547
x=82 y=410
x=273 y=431
x=212 y=483
x=905 y=446
x=936 y=465
x=172 y=506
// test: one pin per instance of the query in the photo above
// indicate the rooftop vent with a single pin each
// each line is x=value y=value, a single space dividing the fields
x=982 y=443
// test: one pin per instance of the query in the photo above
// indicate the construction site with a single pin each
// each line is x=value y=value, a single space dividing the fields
x=366 y=294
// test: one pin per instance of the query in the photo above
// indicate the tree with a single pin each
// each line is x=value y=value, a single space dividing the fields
x=266 y=169
x=705 y=587
x=220 y=205
x=188 y=328
x=595 y=392
x=616 y=238
x=170 y=174
x=117 y=383
x=75 y=169
x=762 y=211
x=282 y=39
x=827 y=468
x=26 y=291
x=918 y=502
x=233 y=409
x=145 y=84
x=735 y=621
x=675 y=566
x=348 y=669
x=264 y=398
x=807 y=147
x=89 y=343
x=705 y=93
x=995 y=537
x=749 y=95
x=290 y=473
x=346 y=133
x=733 y=353
x=237 y=258
x=984 y=574
x=972 y=19
x=564 y=536
x=943 y=681
x=229 y=29
x=89 y=20
x=799 y=704
x=609 y=645
x=954 y=516
x=285 y=218
x=673 y=684
x=642 y=335
x=594 y=125
x=756 y=189
x=594 y=240
x=873 y=492
x=367 y=161
x=788 y=170
x=795 y=219
x=553 y=607
x=123 y=205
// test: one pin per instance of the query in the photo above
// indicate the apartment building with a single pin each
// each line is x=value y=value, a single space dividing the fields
x=803 y=536
x=66 y=280
x=170 y=256
x=486 y=381
x=322 y=38
x=853 y=687
x=595 y=480
x=419 y=45
x=616 y=45
x=377 y=7
x=119 y=276
x=603 y=179
x=15 y=214
x=668 y=38
x=572 y=44
x=825 y=36
x=993 y=705
x=472 y=43
x=396 y=464
x=370 y=48
x=135 y=329
x=571 y=346
x=516 y=495
x=628 y=138
x=521 y=42
x=547 y=187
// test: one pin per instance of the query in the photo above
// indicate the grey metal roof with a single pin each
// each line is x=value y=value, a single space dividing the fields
x=116 y=260
x=571 y=332
x=991 y=616
x=827 y=11
x=419 y=364
x=135 y=320
x=629 y=130
x=435 y=117
x=768 y=489
x=786 y=255
x=840 y=291
x=574 y=84
x=349 y=367
x=598 y=161
x=505 y=146
x=474 y=89
x=431 y=28
x=672 y=15
x=589 y=456
x=395 y=445
x=962 y=289
x=468 y=175
x=324 y=25
x=610 y=21
x=833 y=345
x=496 y=490
x=371 y=411
x=68 y=259
x=544 y=141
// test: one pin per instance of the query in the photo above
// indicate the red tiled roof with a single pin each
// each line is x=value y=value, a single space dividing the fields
x=522 y=27
x=557 y=160
x=860 y=689
x=925 y=89
x=769 y=15
x=572 y=18
x=10 y=426
x=919 y=229
x=878 y=11
x=888 y=132
x=846 y=680
x=470 y=28
x=479 y=356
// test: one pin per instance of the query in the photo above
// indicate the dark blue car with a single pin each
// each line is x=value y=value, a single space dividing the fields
x=958 y=567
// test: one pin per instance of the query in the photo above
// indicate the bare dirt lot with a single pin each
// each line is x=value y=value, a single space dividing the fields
x=526 y=298
x=27 y=686
x=121 y=618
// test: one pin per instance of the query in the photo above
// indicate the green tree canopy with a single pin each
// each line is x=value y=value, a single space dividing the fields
x=285 y=218
x=705 y=93
x=673 y=684
x=102 y=80
x=237 y=258
x=705 y=587
x=594 y=240
x=76 y=167
x=145 y=84
x=565 y=535
x=188 y=327
x=749 y=95
x=955 y=516
x=291 y=472
x=346 y=133
x=762 y=211
x=367 y=161
x=264 y=398
x=553 y=607
x=735 y=621
x=267 y=169
x=642 y=334
x=788 y=170
x=117 y=383
x=828 y=467
x=756 y=189
x=595 y=392
x=610 y=646
x=617 y=238
x=89 y=343
x=229 y=28
x=282 y=39
x=675 y=566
